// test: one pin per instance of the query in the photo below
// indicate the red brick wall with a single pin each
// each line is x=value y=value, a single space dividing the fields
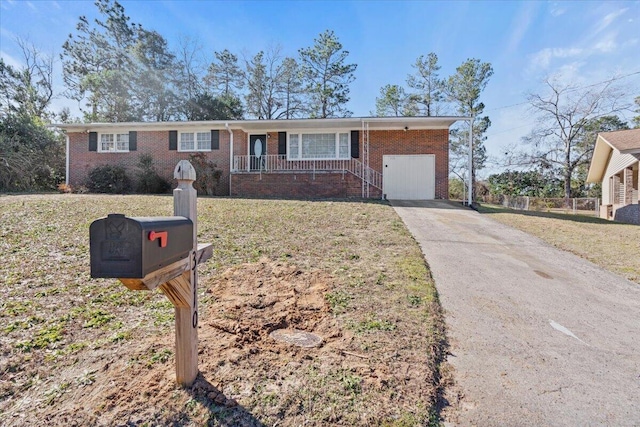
x=381 y=142
x=387 y=142
x=301 y=186
x=155 y=143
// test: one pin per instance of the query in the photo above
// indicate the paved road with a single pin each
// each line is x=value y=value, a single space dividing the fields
x=538 y=336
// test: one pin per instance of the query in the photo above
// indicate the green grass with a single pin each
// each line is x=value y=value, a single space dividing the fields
x=611 y=245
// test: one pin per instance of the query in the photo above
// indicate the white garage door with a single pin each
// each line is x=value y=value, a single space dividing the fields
x=409 y=177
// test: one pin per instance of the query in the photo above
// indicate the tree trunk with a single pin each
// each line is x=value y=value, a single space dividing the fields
x=567 y=174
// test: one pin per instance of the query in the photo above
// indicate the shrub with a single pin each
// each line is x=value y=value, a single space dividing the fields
x=149 y=182
x=108 y=179
x=207 y=174
x=65 y=188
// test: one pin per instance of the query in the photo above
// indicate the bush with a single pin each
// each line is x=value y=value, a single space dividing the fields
x=108 y=179
x=207 y=174
x=31 y=156
x=149 y=182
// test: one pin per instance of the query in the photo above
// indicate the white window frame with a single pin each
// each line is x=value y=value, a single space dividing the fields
x=195 y=141
x=115 y=142
x=336 y=133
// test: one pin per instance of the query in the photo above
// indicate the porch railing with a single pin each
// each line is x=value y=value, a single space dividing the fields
x=275 y=163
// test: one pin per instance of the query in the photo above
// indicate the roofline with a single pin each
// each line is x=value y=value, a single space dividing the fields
x=422 y=122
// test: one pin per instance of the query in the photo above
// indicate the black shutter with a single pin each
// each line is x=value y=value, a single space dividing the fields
x=93 y=141
x=215 y=139
x=173 y=140
x=282 y=143
x=133 y=140
x=355 y=144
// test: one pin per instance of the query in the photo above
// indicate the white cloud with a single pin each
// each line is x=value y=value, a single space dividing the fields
x=521 y=25
x=571 y=73
x=32 y=6
x=56 y=4
x=606 y=46
x=557 y=10
x=542 y=59
x=608 y=20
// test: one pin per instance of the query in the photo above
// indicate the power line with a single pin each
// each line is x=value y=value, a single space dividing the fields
x=571 y=90
x=509 y=130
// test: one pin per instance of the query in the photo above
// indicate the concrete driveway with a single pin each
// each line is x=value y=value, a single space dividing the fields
x=539 y=337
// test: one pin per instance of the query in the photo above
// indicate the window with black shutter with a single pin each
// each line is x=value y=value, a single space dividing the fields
x=173 y=140
x=355 y=144
x=282 y=143
x=133 y=140
x=215 y=139
x=93 y=141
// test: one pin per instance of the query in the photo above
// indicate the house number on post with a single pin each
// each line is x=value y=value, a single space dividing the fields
x=160 y=252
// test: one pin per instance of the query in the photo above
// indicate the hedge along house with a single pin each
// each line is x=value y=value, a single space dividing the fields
x=615 y=164
x=396 y=157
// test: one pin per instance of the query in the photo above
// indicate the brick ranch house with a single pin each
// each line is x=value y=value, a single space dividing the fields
x=396 y=157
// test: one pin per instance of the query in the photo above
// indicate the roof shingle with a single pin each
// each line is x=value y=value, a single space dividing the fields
x=623 y=140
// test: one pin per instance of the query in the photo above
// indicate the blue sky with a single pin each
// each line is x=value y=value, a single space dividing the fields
x=583 y=42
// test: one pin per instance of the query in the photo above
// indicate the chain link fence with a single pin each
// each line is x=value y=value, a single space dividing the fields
x=583 y=206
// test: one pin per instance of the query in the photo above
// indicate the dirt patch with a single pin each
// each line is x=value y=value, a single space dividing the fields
x=240 y=363
x=254 y=300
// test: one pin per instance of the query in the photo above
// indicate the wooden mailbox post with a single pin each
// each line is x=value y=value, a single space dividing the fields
x=179 y=280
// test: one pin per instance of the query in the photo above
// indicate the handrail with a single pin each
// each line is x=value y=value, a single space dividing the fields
x=276 y=163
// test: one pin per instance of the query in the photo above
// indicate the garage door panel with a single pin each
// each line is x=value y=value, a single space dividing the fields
x=409 y=177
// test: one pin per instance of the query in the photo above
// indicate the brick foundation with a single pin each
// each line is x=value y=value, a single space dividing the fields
x=299 y=186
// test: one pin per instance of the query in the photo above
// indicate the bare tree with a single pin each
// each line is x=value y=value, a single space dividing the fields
x=191 y=67
x=29 y=89
x=274 y=85
x=263 y=82
x=564 y=114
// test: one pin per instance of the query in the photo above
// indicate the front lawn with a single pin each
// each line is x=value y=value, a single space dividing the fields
x=82 y=351
x=611 y=245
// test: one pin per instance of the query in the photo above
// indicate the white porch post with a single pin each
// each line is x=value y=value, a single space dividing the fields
x=470 y=195
x=66 y=173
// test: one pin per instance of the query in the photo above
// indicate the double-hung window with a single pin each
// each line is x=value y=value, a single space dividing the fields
x=318 y=146
x=114 y=142
x=195 y=141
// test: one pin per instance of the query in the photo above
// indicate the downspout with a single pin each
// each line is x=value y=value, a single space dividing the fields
x=226 y=125
x=66 y=173
x=470 y=162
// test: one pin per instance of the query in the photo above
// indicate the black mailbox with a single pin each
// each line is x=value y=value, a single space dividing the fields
x=123 y=247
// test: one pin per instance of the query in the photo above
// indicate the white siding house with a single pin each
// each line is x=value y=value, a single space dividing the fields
x=615 y=164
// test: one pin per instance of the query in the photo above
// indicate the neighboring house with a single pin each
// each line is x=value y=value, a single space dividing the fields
x=615 y=164
x=396 y=157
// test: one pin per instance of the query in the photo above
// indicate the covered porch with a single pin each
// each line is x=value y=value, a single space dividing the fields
x=279 y=164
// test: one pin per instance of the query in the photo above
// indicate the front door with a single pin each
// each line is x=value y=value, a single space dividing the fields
x=257 y=151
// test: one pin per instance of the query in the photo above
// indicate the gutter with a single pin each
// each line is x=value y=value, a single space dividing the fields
x=226 y=125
